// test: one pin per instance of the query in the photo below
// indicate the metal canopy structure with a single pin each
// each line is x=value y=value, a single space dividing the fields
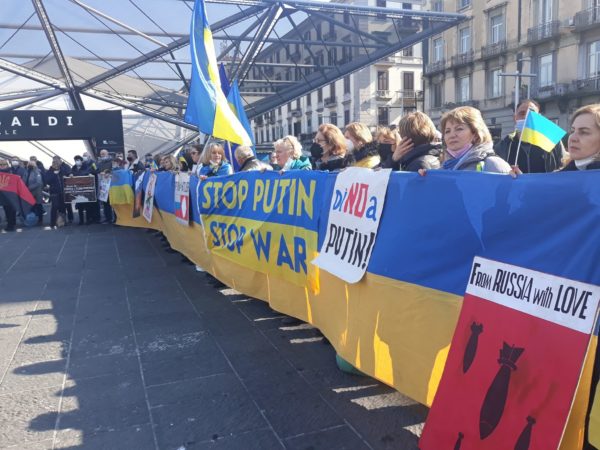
x=134 y=54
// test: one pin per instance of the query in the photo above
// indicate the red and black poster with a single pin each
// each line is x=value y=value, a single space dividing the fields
x=514 y=363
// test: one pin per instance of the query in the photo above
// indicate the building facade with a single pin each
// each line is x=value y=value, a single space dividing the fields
x=553 y=44
x=376 y=95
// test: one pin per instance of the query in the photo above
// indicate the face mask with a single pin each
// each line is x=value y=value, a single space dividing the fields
x=349 y=145
x=130 y=158
x=316 y=150
x=86 y=158
x=519 y=125
x=15 y=163
x=385 y=149
x=78 y=163
x=104 y=158
x=461 y=151
x=115 y=166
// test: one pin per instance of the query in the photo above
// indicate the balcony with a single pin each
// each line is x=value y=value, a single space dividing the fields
x=330 y=102
x=320 y=105
x=543 y=32
x=435 y=67
x=551 y=90
x=586 y=19
x=331 y=36
x=347 y=98
x=462 y=59
x=451 y=105
x=383 y=95
x=493 y=50
x=296 y=112
x=586 y=86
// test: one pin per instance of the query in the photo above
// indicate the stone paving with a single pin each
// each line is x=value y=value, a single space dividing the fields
x=109 y=342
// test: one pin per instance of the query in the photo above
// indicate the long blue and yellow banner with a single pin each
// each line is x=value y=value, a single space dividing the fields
x=258 y=233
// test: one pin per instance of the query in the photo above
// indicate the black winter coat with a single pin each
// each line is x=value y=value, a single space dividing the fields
x=424 y=156
x=55 y=180
x=532 y=159
x=572 y=167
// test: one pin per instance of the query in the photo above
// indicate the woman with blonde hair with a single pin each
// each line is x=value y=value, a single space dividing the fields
x=168 y=163
x=469 y=143
x=214 y=162
x=333 y=144
x=364 y=152
x=288 y=153
x=584 y=139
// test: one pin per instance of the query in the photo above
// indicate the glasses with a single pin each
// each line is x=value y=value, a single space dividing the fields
x=320 y=141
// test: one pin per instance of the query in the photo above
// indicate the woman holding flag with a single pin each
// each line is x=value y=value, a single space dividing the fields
x=214 y=162
x=584 y=139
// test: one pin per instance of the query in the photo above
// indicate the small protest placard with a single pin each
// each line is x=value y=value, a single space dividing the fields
x=80 y=189
x=104 y=181
x=149 y=198
x=515 y=361
x=354 y=216
x=182 y=198
x=138 y=200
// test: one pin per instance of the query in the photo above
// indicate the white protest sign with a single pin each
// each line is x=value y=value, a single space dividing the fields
x=182 y=198
x=354 y=216
x=149 y=198
x=104 y=180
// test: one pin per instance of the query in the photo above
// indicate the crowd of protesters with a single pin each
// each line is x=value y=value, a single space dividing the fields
x=414 y=145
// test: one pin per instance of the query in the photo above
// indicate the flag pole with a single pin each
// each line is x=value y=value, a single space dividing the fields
x=521 y=138
x=230 y=155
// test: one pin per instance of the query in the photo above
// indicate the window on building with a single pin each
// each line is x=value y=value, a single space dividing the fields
x=383 y=82
x=436 y=95
x=464 y=40
x=383 y=116
x=308 y=99
x=464 y=89
x=346 y=117
x=320 y=95
x=495 y=83
x=437 y=5
x=332 y=55
x=320 y=119
x=277 y=57
x=496 y=28
x=545 y=75
x=319 y=32
x=463 y=3
x=297 y=128
x=408 y=81
x=307 y=36
x=407 y=20
x=594 y=59
x=438 y=50
x=347 y=18
x=333 y=119
x=332 y=90
x=381 y=4
x=545 y=10
x=347 y=84
x=290 y=127
x=309 y=124
x=408 y=51
x=298 y=104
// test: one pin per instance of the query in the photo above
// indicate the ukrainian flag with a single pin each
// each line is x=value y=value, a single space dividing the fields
x=121 y=187
x=207 y=106
x=541 y=132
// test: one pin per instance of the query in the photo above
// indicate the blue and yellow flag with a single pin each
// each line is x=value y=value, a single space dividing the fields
x=235 y=103
x=225 y=86
x=207 y=106
x=541 y=132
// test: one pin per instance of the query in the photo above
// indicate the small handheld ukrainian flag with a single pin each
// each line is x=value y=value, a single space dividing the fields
x=207 y=106
x=541 y=132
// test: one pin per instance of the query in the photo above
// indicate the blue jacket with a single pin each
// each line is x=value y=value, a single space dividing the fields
x=222 y=169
